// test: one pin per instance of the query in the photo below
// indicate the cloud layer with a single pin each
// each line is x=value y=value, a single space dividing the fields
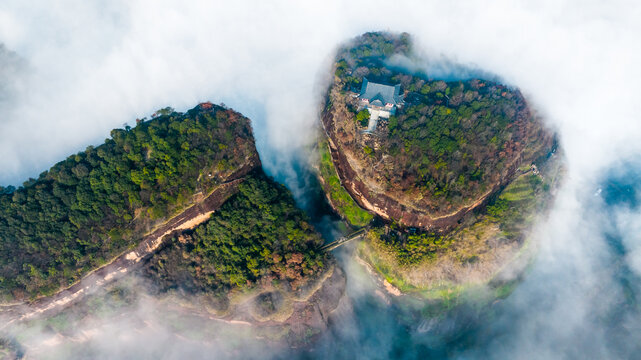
x=81 y=68
x=94 y=66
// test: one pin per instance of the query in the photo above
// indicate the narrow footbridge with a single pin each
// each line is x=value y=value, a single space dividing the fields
x=345 y=239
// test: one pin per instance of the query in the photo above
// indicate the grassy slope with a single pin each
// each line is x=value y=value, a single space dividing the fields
x=520 y=202
x=339 y=197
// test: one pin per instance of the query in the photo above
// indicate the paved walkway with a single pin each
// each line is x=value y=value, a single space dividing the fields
x=373 y=121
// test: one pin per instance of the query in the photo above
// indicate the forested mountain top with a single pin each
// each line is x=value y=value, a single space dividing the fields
x=449 y=145
x=456 y=170
x=93 y=205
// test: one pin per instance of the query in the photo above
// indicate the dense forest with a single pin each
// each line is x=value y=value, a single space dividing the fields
x=258 y=233
x=93 y=205
x=451 y=141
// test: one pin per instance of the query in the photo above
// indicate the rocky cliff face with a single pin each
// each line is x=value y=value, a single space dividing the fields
x=303 y=314
x=293 y=321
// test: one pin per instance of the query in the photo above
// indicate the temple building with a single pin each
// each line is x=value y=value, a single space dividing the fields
x=380 y=100
x=383 y=99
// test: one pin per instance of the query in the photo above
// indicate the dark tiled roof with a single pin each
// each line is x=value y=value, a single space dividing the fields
x=383 y=93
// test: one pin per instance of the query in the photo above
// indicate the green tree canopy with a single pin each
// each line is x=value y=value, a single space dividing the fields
x=93 y=205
